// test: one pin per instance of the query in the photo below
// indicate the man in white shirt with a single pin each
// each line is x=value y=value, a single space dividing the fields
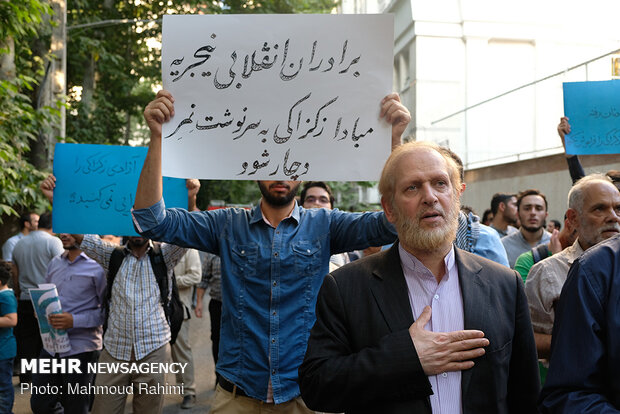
x=594 y=210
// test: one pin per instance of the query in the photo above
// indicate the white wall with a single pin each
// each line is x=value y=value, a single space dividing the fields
x=451 y=54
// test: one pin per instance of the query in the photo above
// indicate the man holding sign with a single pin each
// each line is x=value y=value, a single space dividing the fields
x=273 y=261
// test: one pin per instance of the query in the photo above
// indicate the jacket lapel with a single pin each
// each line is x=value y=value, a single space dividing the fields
x=475 y=301
x=389 y=289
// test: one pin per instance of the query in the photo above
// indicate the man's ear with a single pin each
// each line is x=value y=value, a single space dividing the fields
x=387 y=209
x=463 y=187
x=573 y=218
x=501 y=206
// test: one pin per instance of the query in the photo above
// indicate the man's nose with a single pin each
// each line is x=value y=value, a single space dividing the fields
x=613 y=216
x=428 y=194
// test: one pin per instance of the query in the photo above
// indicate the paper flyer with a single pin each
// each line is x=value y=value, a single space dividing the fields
x=46 y=302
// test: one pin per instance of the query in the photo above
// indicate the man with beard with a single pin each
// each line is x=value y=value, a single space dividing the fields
x=28 y=222
x=504 y=210
x=273 y=260
x=80 y=283
x=423 y=327
x=532 y=211
x=594 y=211
x=137 y=328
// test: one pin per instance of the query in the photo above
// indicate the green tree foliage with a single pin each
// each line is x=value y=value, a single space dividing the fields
x=126 y=68
x=20 y=122
x=110 y=56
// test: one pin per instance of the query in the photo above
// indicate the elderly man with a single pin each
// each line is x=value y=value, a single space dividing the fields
x=593 y=205
x=473 y=353
x=585 y=352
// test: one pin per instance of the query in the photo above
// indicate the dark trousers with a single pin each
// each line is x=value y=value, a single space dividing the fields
x=7 y=395
x=215 y=314
x=75 y=403
x=27 y=334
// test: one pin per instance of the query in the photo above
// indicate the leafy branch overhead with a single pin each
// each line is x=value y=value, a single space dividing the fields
x=113 y=71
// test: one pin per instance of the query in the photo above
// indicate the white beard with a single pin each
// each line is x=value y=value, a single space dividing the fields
x=412 y=235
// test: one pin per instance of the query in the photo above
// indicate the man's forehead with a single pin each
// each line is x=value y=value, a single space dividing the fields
x=601 y=191
x=532 y=199
x=422 y=160
x=316 y=190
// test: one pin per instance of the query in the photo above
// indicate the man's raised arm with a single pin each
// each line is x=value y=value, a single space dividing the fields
x=396 y=114
x=150 y=184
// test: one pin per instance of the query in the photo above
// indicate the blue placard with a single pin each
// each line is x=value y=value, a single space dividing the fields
x=593 y=110
x=96 y=188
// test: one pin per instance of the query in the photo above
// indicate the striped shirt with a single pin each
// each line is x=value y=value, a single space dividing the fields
x=211 y=275
x=447 y=315
x=136 y=321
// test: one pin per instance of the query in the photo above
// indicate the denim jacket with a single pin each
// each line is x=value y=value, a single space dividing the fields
x=270 y=280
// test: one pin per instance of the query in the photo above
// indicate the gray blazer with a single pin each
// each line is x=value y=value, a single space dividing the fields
x=360 y=357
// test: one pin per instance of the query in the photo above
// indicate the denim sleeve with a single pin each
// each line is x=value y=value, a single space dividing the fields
x=357 y=231
x=490 y=246
x=198 y=229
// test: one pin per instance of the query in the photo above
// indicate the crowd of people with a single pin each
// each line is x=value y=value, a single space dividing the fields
x=419 y=308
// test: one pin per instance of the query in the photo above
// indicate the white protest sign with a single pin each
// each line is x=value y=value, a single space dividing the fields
x=277 y=97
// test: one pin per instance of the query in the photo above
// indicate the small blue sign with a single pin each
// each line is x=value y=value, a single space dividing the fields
x=593 y=111
x=96 y=188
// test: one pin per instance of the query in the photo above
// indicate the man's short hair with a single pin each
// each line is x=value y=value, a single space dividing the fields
x=530 y=192
x=5 y=272
x=388 y=175
x=486 y=214
x=499 y=198
x=468 y=209
x=556 y=224
x=576 y=196
x=457 y=160
x=45 y=221
x=25 y=218
x=321 y=184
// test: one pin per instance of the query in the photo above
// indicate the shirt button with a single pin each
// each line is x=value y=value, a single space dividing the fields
x=276 y=254
x=273 y=372
x=275 y=283
x=444 y=374
x=274 y=313
x=436 y=296
x=273 y=340
x=308 y=250
x=242 y=251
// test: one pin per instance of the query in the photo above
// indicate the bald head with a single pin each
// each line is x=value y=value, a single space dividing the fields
x=420 y=189
x=594 y=209
x=389 y=173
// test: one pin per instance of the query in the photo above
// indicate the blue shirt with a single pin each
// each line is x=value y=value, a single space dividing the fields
x=490 y=246
x=584 y=371
x=81 y=286
x=270 y=280
x=8 y=304
x=479 y=239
